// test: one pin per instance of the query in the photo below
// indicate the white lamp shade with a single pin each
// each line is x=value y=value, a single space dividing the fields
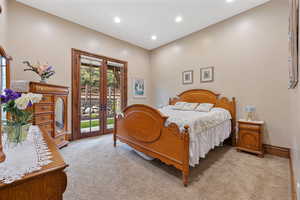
x=250 y=108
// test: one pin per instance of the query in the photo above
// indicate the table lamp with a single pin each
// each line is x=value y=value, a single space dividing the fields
x=250 y=112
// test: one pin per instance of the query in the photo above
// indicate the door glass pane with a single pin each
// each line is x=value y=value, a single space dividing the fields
x=113 y=94
x=90 y=96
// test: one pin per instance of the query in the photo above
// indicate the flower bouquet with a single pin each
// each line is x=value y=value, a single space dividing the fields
x=15 y=104
x=44 y=71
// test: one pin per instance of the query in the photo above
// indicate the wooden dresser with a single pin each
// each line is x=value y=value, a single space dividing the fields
x=51 y=113
x=250 y=137
x=47 y=184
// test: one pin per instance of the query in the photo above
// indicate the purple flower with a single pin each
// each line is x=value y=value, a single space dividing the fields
x=8 y=91
x=50 y=68
x=4 y=99
x=29 y=104
x=9 y=95
x=14 y=96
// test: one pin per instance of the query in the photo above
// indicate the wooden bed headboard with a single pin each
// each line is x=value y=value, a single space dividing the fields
x=206 y=96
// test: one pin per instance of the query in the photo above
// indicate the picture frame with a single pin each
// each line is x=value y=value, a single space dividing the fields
x=139 y=88
x=293 y=44
x=206 y=74
x=188 y=77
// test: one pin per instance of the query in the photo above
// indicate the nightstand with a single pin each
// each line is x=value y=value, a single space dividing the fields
x=250 y=137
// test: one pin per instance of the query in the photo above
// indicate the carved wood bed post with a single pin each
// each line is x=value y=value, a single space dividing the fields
x=233 y=131
x=186 y=144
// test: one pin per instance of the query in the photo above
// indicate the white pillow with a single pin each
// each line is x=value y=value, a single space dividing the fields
x=190 y=106
x=179 y=105
x=204 y=107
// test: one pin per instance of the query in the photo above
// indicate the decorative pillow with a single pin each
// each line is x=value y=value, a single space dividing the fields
x=190 y=106
x=204 y=107
x=179 y=105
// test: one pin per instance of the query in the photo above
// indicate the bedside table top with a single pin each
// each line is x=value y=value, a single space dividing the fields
x=251 y=122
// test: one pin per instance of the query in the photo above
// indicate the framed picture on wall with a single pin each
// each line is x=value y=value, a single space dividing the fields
x=206 y=74
x=139 y=88
x=187 y=77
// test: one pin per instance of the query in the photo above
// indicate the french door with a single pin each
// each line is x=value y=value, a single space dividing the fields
x=99 y=90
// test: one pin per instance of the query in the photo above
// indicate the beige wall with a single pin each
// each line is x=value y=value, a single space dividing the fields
x=37 y=36
x=249 y=53
x=3 y=23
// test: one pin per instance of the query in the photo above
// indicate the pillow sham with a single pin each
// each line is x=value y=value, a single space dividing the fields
x=179 y=105
x=204 y=107
x=190 y=106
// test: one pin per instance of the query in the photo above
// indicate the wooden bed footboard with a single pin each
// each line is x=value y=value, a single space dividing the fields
x=143 y=128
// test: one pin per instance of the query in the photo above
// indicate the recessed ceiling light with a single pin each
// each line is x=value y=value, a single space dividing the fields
x=178 y=19
x=153 y=37
x=117 y=20
x=229 y=1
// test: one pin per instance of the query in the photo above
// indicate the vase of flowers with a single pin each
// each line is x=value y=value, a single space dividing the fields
x=44 y=71
x=16 y=104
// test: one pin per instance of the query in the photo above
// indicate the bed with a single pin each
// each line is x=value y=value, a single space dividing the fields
x=178 y=142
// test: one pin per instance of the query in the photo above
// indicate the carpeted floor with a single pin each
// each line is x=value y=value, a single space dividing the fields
x=99 y=171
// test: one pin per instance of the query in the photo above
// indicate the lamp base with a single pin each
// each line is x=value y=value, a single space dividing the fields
x=250 y=116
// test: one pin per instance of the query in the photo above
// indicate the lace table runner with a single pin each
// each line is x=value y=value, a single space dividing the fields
x=25 y=158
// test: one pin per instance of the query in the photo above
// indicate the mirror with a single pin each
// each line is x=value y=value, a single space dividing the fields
x=59 y=114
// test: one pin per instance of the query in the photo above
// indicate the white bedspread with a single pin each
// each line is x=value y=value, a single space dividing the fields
x=197 y=121
x=207 y=140
x=207 y=129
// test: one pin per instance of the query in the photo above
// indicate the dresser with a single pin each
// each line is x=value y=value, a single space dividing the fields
x=49 y=183
x=51 y=112
x=250 y=137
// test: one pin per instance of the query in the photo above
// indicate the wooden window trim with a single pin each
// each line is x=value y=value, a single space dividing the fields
x=8 y=59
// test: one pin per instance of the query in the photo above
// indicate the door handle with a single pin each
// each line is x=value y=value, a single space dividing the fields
x=103 y=107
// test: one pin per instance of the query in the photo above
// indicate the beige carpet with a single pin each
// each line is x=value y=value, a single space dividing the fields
x=98 y=171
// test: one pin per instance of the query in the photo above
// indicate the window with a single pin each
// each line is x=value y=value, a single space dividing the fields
x=4 y=74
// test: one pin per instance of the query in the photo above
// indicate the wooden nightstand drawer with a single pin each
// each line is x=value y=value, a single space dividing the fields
x=249 y=127
x=249 y=139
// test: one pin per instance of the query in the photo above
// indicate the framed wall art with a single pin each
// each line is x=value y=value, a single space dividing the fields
x=139 y=88
x=187 y=77
x=206 y=74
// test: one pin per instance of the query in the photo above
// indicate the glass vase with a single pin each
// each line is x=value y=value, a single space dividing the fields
x=43 y=80
x=16 y=134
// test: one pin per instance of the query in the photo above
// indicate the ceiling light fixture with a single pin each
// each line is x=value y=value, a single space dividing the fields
x=229 y=1
x=153 y=37
x=178 y=19
x=117 y=20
